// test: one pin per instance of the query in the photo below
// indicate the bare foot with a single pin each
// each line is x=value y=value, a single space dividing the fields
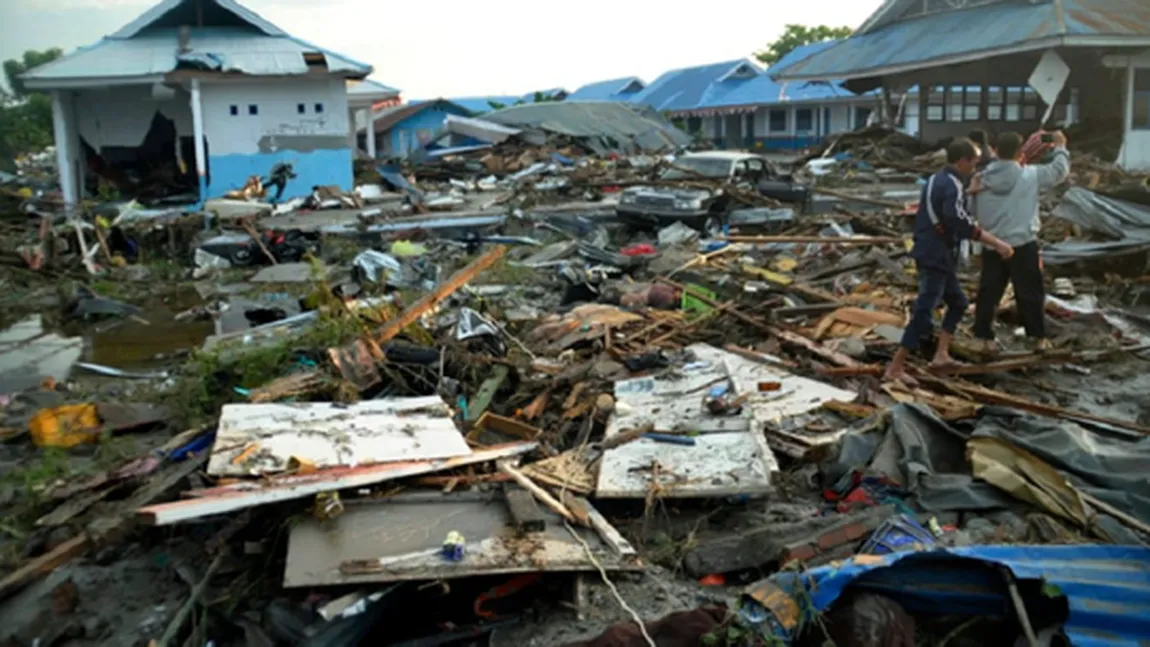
x=940 y=363
x=899 y=376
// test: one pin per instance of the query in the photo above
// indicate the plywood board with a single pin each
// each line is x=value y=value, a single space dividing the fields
x=262 y=438
x=731 y=455
x=403 y=537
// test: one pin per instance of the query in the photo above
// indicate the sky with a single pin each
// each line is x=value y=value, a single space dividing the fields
x=457 y=48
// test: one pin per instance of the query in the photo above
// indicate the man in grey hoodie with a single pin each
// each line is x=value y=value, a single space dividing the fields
x=1006 y=204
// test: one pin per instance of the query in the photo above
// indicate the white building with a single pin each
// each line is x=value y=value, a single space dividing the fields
x=208 y=91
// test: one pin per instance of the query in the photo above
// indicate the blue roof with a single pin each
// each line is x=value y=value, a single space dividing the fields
x=549 y=93
x=479 y=105
x=610 y=90
x=970 y=34
x=684 y=89
x=1107 y=587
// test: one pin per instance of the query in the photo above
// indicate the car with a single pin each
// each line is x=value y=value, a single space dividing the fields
x=705 y=209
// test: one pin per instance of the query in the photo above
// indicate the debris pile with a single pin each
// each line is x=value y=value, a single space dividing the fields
x=402 y=421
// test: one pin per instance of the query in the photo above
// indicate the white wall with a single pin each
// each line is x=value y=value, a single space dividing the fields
x=120 y=116
x=277 y=112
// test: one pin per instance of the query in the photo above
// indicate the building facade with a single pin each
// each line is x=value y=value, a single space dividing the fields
x=208 y=91
x=402 y=130
x=1002 y=65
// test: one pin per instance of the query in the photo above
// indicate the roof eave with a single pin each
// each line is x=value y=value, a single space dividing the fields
x=969 y=57
x=77 y=83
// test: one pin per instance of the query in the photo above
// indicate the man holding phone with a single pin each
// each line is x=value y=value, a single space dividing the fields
x=1006 y=199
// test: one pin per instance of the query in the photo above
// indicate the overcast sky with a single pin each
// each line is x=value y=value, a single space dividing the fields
x=464 y=47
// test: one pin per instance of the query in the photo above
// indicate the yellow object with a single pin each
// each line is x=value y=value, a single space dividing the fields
x=406 y=248
x=784 y=264
x=66 y=426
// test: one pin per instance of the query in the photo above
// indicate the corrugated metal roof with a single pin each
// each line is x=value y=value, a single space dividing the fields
x=479 y=105
x=683 y=89
x=968 y=34
x=369 y=87
x=609 y=90
x=1107 y=17
x=388 y=118
x=934 y=37
x=1107 y=587
x=763 y=90
x=154 y=53
x=150 y=16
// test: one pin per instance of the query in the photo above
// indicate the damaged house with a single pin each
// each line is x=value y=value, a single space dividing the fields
x=193 y=98
x=1004 y=65
x=736 y=105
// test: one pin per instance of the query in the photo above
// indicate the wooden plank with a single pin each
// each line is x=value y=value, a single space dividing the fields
x=444 y=290
x=599 y=523
x=525 y=514
x=240 y=496
x=822 y=240
x=543 y=495
x=487 y=390
x=509 y=426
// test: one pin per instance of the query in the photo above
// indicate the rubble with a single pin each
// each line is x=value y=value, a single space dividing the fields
x=470 y=418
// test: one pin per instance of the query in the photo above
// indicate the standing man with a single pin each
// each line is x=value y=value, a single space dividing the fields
x=940 y=225
x=1006 y=199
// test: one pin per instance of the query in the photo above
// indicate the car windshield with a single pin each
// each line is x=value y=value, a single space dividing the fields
x=686 y=168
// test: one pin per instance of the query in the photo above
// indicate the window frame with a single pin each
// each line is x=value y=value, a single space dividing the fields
x=810 y=120
x=771 y=120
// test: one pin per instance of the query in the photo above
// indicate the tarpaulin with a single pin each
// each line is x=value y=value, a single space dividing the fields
x=928 y=457
x=1106 y=588
x=1127 y=224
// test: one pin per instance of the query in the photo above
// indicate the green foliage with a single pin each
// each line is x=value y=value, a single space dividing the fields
x=794 y=36
x=14 y=68
x=25 y=117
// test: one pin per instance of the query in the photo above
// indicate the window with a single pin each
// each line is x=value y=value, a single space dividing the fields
x=253 y=109
x=300 y=108
x=804 y=120
x=954 y=103
x=861 y=117
x=694 y=125
x=233 y=110
x=972 y=103
x=995 y=99
x=778 y=121
x=1142 y=99
x=319 y=108
x=936 y=104
x=1013 y=104
x=1029 y=104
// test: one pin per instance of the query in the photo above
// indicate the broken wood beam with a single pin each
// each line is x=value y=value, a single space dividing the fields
x=715 y=304
x=444 y=290
x=525 y=514
x=582 y=508
x=190 y=604
x=862 y=199
x=247 y=226
x=820 y=240
x=543 y=495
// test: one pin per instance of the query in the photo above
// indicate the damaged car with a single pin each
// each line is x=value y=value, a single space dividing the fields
x=706 y=209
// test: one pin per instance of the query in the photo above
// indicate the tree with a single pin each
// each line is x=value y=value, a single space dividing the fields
x=25 y=117
x=32 y=58
x=794 y=36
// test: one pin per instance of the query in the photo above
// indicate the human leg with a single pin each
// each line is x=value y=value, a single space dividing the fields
x=1029 y=290
x=956 y=303
x=991 y=286
x=931 y=287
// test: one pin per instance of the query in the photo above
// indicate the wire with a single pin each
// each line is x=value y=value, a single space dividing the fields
x=591 y=556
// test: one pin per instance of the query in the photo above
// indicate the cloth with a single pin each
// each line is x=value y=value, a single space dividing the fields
x=934 y=287
x=1007 y=206
x=942 y=222
x=678 y=629
x=1024 y=270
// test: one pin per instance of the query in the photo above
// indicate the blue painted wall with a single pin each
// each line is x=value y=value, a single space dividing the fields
x=779 y=143
x=415 y=131
x=320 y=167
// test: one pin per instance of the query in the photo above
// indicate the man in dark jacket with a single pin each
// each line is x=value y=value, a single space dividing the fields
x=940 y=226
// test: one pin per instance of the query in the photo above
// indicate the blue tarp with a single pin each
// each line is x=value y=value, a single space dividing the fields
x=1107 y=588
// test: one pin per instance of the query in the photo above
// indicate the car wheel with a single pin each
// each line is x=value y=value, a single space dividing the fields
x=713 y=226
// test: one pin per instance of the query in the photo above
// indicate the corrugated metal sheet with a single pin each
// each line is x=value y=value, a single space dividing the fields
x=609 y=90
x=369 y=87
x=1107 y=17
x=236 y=49
x=1107 y=587
x=480 y=105
x=150 y=16
x=930 y=38
x=763 y=90
x=683 y=89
